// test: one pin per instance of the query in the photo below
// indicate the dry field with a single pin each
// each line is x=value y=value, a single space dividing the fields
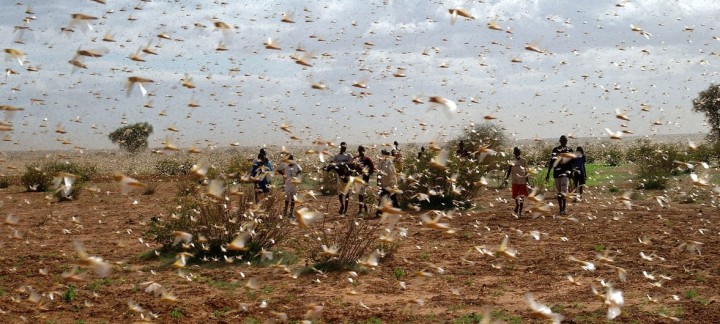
x=432 y=277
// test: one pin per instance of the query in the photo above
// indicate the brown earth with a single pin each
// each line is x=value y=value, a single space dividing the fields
x=112 y=226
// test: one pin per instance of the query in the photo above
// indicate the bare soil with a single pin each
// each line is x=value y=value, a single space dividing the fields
x=113 y=226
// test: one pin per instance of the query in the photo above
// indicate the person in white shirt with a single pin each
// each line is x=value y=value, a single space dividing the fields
x=340 y=164
x=518 y=171
x=290 y=173
x=387 y=179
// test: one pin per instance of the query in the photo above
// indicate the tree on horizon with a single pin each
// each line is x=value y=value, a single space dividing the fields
x=708 y=103
x=132 y=138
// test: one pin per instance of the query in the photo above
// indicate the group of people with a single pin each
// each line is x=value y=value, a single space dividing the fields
x=352 y=172
x=353 y=175
x=566 y=166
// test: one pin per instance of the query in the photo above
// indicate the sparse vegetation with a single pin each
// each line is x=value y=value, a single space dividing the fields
x=173 y=167
x=345 y=242
x=455 y=184
x=69 y=294
x=215 y=222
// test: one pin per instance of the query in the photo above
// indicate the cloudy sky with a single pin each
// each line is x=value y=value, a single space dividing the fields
x=591 y=63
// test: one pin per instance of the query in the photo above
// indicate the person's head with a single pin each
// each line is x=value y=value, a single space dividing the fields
x=343 y=147
x=563 y=140
x=385 y=152
x=396 y=143
x=291 y=159
x=260 y=156
x=516 y=151
x=580 y=150
x=461 y=144
x=262 y=152
x=361 y=150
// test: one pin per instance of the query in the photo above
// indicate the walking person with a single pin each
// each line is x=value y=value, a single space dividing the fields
x=520 y=181
x=260 y=172
x=561 y=165
x=339 y=164
x=290 y=172
x=364 y=165
x=397 y=157
x=387 y=180
x=579 y=174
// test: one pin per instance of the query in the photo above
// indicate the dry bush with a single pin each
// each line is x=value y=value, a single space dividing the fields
x=216 y=222
x=353 y=239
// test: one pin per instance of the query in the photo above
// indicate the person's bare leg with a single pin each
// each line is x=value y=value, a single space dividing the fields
x=342 y=205
x=361 y=203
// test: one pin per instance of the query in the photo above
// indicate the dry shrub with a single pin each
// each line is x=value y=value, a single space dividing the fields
x=354 y=238
x=219 y=221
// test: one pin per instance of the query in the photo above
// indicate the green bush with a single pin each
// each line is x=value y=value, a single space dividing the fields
x=36 y=179
x=537 y=154
x=705 y=152
x=239 y=165
x=4 y=183
x=654 y=163
x=84 y=172
x=328 y=183
x=40 y=177
x=132 y=138
x=172 y=167
x=455 y=185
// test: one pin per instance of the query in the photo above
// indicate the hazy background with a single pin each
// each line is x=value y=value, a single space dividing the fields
x=593 y=64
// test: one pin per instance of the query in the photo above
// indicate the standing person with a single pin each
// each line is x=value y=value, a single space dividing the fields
x=397 y=157
x=462 y=152
x=561 y=165
x=387 y=180
x=260 y=173
x=340 y=162
x=518 y=170
x=364 y=165
x=579 y=174
x=290 y=173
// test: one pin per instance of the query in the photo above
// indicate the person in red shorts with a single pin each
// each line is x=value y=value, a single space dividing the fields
x=518 y=170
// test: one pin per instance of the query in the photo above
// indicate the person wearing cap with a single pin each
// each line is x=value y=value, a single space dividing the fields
x=518 y=170
x=387 y=179
x=290 y=173
x=341 y=161
x=561 y=165
x=364 y=165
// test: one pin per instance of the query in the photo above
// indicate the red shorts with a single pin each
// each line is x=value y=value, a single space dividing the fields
x=519 y=190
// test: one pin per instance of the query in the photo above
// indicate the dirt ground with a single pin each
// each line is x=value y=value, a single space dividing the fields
x=463 y=284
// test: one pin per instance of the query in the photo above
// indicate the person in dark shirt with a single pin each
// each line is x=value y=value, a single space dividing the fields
x=364 y=165
x=260 y=172
x=561 y=165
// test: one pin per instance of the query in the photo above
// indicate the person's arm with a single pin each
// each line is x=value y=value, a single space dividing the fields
x=553 y=156
x=507 y=174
